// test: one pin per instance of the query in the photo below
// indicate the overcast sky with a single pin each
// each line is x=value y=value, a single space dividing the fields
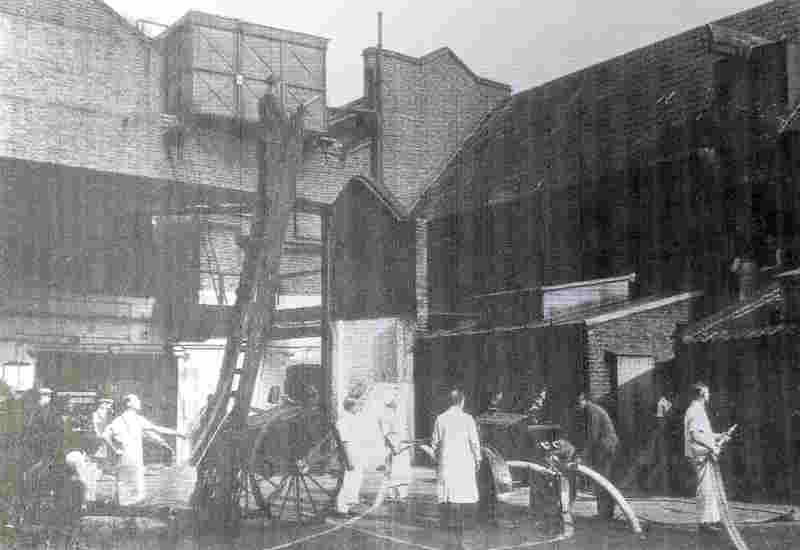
x=498 y=39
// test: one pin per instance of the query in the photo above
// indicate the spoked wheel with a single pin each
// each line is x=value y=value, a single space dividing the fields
x=296 y=468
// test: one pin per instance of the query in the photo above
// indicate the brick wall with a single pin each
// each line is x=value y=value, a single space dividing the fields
x=595 y=118
x=324 y=175
x=79 y=86
x=430 y=104
x=572 y=146
x=645 y=333
x=373 y=261
x=82 y=87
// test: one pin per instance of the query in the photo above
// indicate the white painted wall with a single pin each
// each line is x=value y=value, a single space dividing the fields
x=377 y=353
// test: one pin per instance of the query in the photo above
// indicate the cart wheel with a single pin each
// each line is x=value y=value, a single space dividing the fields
x=265 y=481
x=302 y=485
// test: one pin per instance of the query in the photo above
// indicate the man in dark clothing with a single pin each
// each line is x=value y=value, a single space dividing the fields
x=43 y=431
x=42 y=437
x=600 y=449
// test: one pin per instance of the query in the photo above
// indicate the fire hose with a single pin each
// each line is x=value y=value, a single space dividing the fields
x=608 y=487
x=722 y=498
x=724 y=508
x=600 y=480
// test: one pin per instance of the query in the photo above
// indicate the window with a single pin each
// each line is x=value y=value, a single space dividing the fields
x=17 y=374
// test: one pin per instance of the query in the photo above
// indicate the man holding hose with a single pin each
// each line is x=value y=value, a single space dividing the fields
x=702 y=449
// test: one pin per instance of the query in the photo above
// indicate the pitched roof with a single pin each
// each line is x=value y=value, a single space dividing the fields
x=588 y=315
x=727 y=323
x=383 y=194
x=127 y=25
x=435 y=55
x=723 y=334
x=553 y=109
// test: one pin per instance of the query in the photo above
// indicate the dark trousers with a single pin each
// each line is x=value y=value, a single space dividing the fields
x=602 y=463
x=452 y=520
x=658 y=477
x=487 y=505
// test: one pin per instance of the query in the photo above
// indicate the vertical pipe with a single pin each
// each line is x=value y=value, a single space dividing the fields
x=379 y=102
x=746 y=169
x=778 y=174
x=237 y=63
x=326 y=355
x=283 y=74
x=325 y=89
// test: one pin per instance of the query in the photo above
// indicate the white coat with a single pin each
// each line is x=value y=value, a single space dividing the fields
x=458 y=453
x=699 y=440
x=126 y=433
x=351 y=428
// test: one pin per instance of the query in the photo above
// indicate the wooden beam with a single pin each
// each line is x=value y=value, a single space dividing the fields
x=299 y=315
x=291 y=332
x=731 y=42
x=308 y=206
x=211 y=320
x=290 y=247
x=299 y=274
x=297 y=247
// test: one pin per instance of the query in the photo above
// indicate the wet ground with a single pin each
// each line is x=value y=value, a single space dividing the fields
x=588 y=534
x=414 y=525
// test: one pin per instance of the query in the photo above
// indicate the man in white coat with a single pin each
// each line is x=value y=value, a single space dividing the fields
x=703 y=447
x=125 y=436
x=458 y=454
x=398 y=458
x=350 y=428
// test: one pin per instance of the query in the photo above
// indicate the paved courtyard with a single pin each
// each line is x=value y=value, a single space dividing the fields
x=668 y=524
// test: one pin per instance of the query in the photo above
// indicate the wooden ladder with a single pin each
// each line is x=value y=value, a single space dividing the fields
x=280 y=152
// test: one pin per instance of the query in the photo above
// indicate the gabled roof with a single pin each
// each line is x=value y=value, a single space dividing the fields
x=727 y=323
x=127 y=25
x=383 y=194
x=436 y=55
x=596 y=315
x=444 y=51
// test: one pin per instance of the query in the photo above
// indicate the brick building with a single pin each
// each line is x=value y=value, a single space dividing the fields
x=557 y=338
x=128 y=172
x=491 y=212
x=747 y=353
x=666 y=162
